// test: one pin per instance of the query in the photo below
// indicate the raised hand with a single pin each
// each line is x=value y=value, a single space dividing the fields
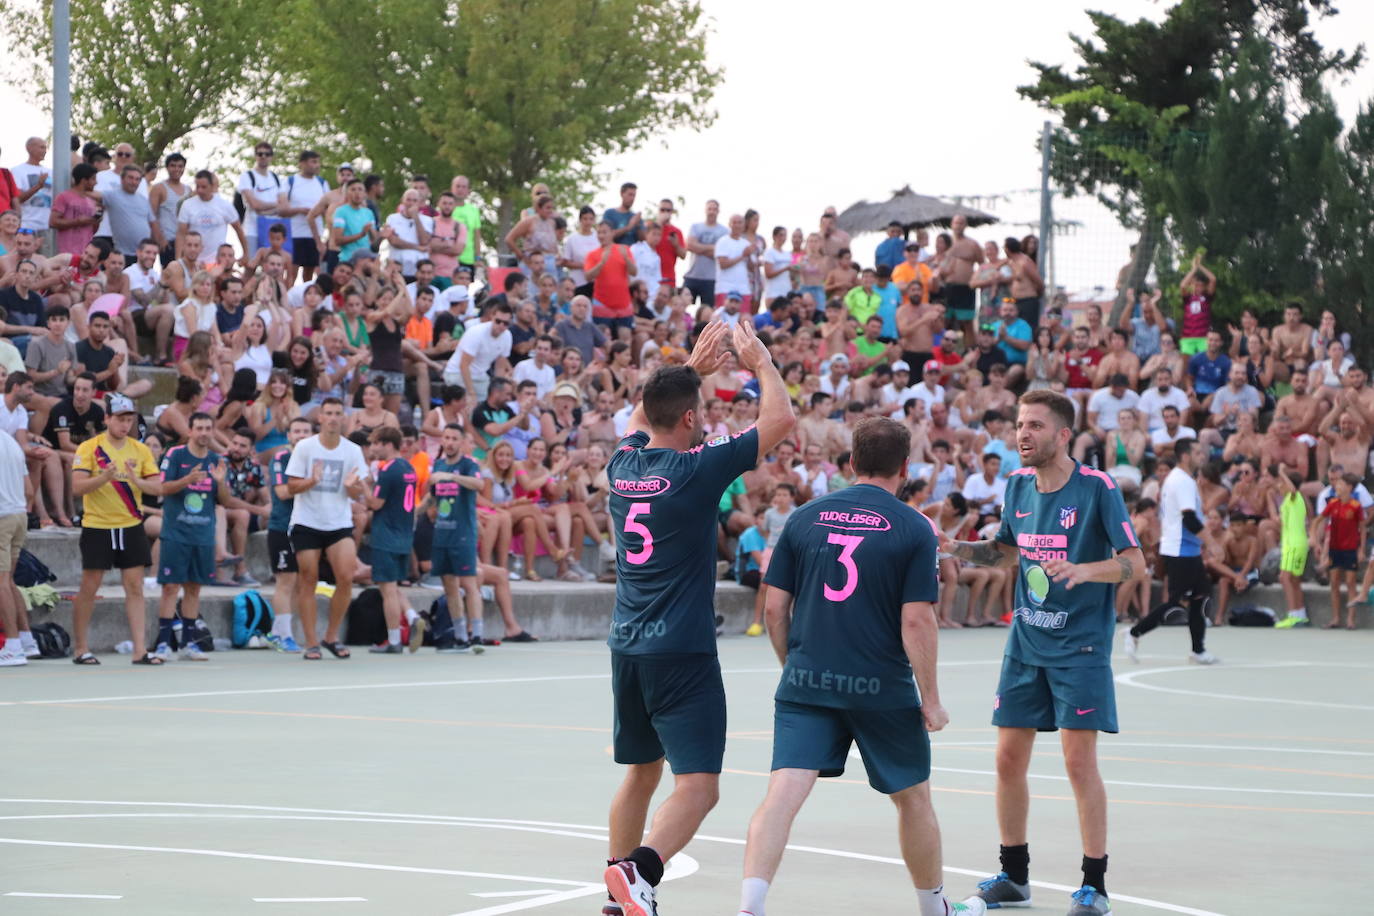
x=753 y=355
x=707 y=356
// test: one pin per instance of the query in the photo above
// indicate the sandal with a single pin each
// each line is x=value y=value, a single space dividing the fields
x=1332 y=625
x=147 y=658
x=337 y=649
x=532 y=576
x=312 y=654
x=522 y=636
x=86 y=658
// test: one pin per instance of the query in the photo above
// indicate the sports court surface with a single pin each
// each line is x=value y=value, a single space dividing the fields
x=434 y=785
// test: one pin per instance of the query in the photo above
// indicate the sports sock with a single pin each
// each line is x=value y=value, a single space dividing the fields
x=12 y=644
x=1300 y=613
x=411 y=614
x=1016 y=862
x=1197 y=623
x=1095 y=873
x=476 y=628
x=649 y=864
x=752 y=892
x=281 y=626
x=393 y=636
x=460 y=629
x=932 y=902
x=164 y=631
x=26 y=637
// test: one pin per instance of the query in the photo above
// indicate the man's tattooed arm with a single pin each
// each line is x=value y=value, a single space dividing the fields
x=985 y=553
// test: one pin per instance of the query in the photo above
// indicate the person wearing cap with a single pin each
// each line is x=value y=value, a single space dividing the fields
x=836 y=380
x=729 y=311
x=912 y=270
x=296 y=202
x=110 y=473
x=1103 y=415
x=890 y=249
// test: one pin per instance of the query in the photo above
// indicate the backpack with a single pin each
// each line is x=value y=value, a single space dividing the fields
x=240 y=205
x=252 y=618
x=440 y=630
x=31 y=571
x=53 y=641
x=1248 y=615
x=366 y=621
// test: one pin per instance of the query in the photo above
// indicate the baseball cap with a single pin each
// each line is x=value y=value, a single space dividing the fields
x=458 y=294
x=901 y=366
x=120 y=404
x=567 y=390
x=346 y=165
x=932 y=365
x=912 y=246
x=733 y=297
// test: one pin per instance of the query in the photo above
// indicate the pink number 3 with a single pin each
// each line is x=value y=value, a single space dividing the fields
x=849 y=543
x=641 y=556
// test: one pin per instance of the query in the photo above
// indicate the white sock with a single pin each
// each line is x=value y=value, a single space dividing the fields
x=393 y=636
x=411 y=614
x=476 y=627
x=460 y=628
x=26 y=637
x=932 y=903
x=1299 y=612
x=281 y=626
x=12 y=644
x=752 y=891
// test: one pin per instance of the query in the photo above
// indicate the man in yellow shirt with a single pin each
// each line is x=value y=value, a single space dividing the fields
x=110 y=473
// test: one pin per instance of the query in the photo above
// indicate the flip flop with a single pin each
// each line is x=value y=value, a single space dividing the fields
x=522 y=636
x=312 y=654
x=148 y=658
x=1335 y=624
x=86 y=658
x=337 y=649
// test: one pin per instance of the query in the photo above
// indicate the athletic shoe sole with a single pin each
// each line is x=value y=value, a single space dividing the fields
x=620 y=890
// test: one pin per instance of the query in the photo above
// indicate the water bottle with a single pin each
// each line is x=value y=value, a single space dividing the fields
x=517 y=567
x=125 y=648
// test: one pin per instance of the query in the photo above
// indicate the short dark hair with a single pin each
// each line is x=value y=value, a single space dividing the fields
x=371 y=181
x=206 y=174
x=1183 y=446
x=388 y=435
x=95 y=315
x=83 y=170
x=881 y=447
x=328 y=401
x=628 y=185
x=202 y=415
x=450 y=393
x=669 y=393
x=305 y=420
x=174 y=158
x=1058 y=404
x=187 y=388
x=16 y=379
x=88 y=376
x=513 y=280
x=56 y=311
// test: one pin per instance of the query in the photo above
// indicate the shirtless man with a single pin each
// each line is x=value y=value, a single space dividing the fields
x=1346 y=445
x=1117 y=360
x=833 y=239
x=956 y=273
x=816 y=428
x=1280 y=445
x=994 y=395
x=834 y=330
x=916 y=325
x=841 y=278
x=1357 y=396
x=940 y=429
x=1292 y=342
x=1240 y=556
x=176 y=276
x=322 y=214
x=1301 y=407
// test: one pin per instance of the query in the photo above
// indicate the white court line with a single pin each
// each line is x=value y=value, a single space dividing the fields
x=310 y=900
x=65 y=896
x=1161 y=785
x=555 y=898
x=1130 y=681
x=513 y=893
x=1108 y=742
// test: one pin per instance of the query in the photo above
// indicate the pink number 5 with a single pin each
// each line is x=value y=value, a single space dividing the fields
x=641 y=556
x=850 y=543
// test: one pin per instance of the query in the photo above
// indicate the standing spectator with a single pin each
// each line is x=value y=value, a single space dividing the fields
x=110 y=473
x=354 y=227
x=15 y=490
x=610 y=268
x=35 y=186
x=648 y=266
x=732 y=254
x=467 y=213
x=700 y=277
x=623 y=219
x=777 y=268
x=75 y=213
x=671 y=245
x=833 y=239
x=296 y=202
x=447 y=241
x=9 y=191
x=956 y=272
x=260 y=188
x=131 y=217
x=483 y=347
x=408 y=232
x=1199 y=289
x=1027 y=286
x=535 y=237
x=165 y=199
x=890 y=250
x=1340 y=536
x=576 y=247
x=210 y=215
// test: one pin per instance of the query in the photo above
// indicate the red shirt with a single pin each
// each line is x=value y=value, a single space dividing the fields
x=667 y=254
x=1343 y=521
x=1197 y=316
x=1078 y=364
x=611 y=288
x=9 y=191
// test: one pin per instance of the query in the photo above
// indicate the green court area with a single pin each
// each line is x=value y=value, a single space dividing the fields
x=431 y=785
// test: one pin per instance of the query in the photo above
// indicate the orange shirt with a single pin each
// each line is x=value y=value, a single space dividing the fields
x=420 y=331
x=421 y=463
x=904 y=273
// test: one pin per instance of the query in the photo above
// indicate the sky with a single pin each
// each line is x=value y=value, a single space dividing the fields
x=823 y=104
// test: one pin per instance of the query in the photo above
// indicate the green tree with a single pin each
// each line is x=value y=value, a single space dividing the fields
x=507 y=92
x=149 y=72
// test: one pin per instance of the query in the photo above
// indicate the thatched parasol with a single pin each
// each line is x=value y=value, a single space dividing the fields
x=910 y=209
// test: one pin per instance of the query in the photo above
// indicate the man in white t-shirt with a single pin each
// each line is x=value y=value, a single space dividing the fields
x=777 y=267
x=987 y=490
x=210 y=215
x=538 y=368
x=297 y=199
x=732 y=266
x=1104 y=410
x=325 y=474
x=408 y=231
x=481 y=348
x=1162 y=394
x=650 y=265
x=1163 y=439
x=35 y=186
x=260 y=188
x=576 y=247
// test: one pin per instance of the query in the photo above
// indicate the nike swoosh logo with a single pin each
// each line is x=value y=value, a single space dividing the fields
x=1022 y=514
x=1084 y=712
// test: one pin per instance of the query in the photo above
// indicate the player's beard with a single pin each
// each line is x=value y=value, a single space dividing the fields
x=1041 y=454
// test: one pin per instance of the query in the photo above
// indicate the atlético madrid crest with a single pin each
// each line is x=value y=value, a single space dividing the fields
x=1068 y=515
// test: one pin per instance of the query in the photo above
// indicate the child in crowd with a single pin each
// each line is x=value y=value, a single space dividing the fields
x=749 y=565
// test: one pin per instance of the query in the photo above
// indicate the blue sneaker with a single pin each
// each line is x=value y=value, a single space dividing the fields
x=283 y=643
x=1088 y=902
x=1000 y=891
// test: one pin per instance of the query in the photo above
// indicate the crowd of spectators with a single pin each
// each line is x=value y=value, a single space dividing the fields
x=538 y=352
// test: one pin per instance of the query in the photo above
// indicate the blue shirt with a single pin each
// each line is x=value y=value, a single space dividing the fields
x=890 y=252
x=455 y=520
x=352 y=220
x=850 y=560
x=891 y=298
x=188 y=516
x=752 y=540
x=619 y=220
x=1019 y=329
x=1011 y=458
x=280 y=519
x=393 y=525
x=663 y=505
x=1208 y=374
x=1084 y=521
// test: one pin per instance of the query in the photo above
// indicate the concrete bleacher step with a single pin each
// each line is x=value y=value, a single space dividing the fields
x=164 y=386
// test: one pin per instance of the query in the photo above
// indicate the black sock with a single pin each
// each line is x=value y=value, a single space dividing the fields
x=1016 y=863
x=649 y=864
x=1095 y=873
x=164 y=631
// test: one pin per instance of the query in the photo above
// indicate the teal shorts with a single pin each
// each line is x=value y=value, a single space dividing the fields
x=179 y=563
x=458 y=559
x=390 y=567
x=893 y=742
x=1046 y=699
x=669 y=706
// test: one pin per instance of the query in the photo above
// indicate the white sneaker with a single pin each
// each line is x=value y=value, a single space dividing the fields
x=30 y=645
x=191 y=653
x=163 y=651
x=606 y=550
x=1129 y=645
x=1203 y=658
x=633 y=893
x=13 y=658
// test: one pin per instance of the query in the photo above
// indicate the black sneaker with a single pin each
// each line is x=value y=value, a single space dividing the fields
x=452 y=646
x=1000 y=891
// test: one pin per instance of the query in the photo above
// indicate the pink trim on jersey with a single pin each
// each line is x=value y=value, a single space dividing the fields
x=1102 y=475
x=933 y=527
x=732 y=436
x=1021 y=471
x=1130 y=534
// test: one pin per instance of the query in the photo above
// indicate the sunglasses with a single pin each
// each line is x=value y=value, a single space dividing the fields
x=502 y=322
x=25 y=232
x=124 y=155
x=265 y=152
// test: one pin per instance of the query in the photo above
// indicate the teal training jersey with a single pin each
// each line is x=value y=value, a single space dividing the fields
x=455 y=518
x=850 y=560
x=393 y=525
x=663 y=505
x=1084 y=521
x=280 y=518
x=188 y=516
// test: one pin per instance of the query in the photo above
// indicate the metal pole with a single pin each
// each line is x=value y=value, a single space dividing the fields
x=1046 y=215
x=61 y=96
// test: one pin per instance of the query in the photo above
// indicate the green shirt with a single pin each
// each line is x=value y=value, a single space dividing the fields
x=469 y=216
x=727 y=499
x=869 y=350
x=862 y=305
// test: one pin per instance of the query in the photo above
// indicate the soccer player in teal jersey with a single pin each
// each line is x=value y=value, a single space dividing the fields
x=665 y=484
x=279 y=546
x=454 y=483
x=1065 y=526
x=393 y=529
x=852 y=586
